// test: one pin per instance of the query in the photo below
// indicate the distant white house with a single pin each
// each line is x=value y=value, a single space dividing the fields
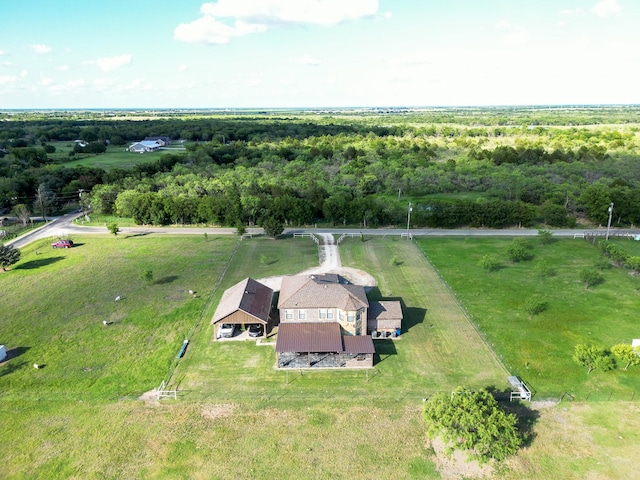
x=144 y=146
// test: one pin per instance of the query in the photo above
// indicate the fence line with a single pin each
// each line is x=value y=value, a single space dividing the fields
x=465 y=312
x=350 y=235
x=198 y=321
x=303 y=235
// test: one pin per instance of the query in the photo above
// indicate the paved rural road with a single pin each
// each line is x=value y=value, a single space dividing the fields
x=65 y=226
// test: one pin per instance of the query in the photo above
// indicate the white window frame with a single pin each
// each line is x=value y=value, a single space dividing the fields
x=288 y=315
x=322 y=313
x=302 y=314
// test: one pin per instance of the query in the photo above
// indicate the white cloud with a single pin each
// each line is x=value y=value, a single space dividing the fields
x=244 y=17
x=604 y=8
x=6 y=64
x=210 y=31
x=108 y=64
x=513 y=34
x=7 y=79
x=63 y=68
x=24 y=73
x=72 y=86
x=306 y=60
x=45 y=81
x=316 y=12
x=1 y=52
x=41 y=48
x=182 y=68
x=571 y=13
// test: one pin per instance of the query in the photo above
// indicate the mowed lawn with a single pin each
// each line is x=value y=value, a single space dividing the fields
x=236 y=417
x=425 y=360
x=540 y=349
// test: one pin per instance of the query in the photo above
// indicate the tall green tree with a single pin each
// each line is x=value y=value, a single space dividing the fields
x=8 y=256
x=474 y=422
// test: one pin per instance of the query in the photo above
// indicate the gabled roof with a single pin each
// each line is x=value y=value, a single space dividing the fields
x=321 y=291
x=248 y=296
x=384 y=310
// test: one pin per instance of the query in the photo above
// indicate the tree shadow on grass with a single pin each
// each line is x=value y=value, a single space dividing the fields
x=43 y=262
x=526 y=417
x=141 y=234
x=165 y=280
x=9 y=368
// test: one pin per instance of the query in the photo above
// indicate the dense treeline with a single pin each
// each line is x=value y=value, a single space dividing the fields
x=349 y=169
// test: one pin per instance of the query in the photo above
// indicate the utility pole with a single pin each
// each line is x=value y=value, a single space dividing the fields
x=609 y=223
x=408 y=219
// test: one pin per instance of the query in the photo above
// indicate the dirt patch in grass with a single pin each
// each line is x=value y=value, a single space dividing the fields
x=150 y=398
x=457 y=465
x=214 y=412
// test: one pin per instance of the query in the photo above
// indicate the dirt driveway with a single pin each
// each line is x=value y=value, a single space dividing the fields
x=330 y=262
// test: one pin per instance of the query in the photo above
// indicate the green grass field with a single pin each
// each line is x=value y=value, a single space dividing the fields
x=114 y=157
x=236 y=417
x=540 y=349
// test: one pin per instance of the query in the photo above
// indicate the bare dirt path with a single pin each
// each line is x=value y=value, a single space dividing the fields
x=330 y=262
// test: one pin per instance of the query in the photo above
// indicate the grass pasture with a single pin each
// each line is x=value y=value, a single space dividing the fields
x=540 y=349
x=115 y=156
x=237 y=418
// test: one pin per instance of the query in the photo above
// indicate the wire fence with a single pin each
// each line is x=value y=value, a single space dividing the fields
x=490 y=346
x=567 y=395
x=205 y=307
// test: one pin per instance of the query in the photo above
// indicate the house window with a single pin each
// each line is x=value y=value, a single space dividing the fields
x=288 y=314
x=322 y=314
x=330 y=314
x=302 y=314
x=350 y=316
x=341 y=314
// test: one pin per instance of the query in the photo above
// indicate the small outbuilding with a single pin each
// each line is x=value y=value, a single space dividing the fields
x=384 y=318
x=247 y=302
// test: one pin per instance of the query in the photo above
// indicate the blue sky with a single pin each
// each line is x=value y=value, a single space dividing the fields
x=317 y=53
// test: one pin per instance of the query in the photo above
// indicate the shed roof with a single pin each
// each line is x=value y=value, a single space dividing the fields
x=321 y=291
x=358 y=344
x=320 y=337
x=384 y=310
x=250 y=296
x=309 y=337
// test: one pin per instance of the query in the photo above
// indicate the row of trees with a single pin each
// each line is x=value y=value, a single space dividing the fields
x=349 y=169
x=597 y=358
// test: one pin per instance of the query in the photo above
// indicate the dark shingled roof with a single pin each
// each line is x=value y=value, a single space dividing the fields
x=358 y=344
x=321 y=291
x=249 y=296
x=320 y=337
